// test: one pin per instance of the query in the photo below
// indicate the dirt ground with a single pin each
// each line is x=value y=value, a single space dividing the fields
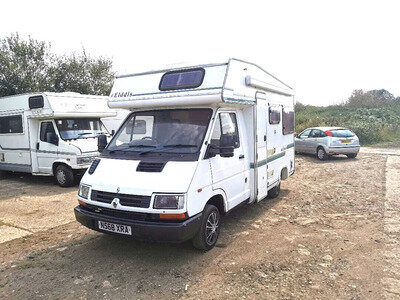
x=333 y=233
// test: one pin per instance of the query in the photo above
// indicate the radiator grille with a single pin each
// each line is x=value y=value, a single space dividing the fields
x=124 y=199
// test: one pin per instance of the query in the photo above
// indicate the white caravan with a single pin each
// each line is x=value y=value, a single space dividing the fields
x=200 y=141
x=51 y=133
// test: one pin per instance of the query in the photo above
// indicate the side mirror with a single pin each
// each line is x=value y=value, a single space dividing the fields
x=227 y=145
x=101 y=142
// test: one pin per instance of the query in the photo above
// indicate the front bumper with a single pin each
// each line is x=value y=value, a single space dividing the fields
x=343 y=150
x=173 y=232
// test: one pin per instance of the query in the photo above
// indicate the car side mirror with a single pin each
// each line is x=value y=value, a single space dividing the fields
x=227 y=145
x=112 y=132
x=101 y=142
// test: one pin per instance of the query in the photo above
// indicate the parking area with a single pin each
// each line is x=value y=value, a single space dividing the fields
x=333 y=233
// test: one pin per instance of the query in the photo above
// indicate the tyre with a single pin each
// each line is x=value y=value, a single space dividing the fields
x=274 y=192
x=352 y=155
x=208 y=234
x=64 y=176
x=321 y=154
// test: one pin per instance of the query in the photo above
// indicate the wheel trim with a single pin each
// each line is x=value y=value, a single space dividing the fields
x=61 y=177
x=320 y=153
x=212 y=226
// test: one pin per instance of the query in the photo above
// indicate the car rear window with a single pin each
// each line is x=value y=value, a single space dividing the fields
x=342 y=133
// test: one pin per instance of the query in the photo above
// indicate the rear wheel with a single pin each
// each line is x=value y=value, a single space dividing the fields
x=352 y=155
x=64 y=176
x=208 y=234
x=274 y=192
x=321 y=154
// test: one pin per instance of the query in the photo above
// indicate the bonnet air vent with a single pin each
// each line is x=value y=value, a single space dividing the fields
x=150 y=166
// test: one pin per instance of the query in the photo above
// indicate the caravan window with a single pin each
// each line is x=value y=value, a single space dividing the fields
x=11 y=124
x=178 y=80
x=287 y=121
x=274 y=115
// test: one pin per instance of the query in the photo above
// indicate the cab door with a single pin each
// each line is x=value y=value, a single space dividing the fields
x=47 y=147
x=228 y=173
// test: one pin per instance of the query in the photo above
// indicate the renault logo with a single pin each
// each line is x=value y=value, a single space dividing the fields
x=115 y=202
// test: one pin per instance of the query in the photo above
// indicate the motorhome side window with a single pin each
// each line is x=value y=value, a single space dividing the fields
x=287 y=121
x=47 y=132
x=226 y=123
x=274 y=115
x=11 y=124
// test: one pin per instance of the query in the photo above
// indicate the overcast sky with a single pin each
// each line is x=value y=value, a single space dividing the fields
x=323 y=49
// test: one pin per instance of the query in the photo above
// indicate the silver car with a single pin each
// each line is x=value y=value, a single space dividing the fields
x=327 y=141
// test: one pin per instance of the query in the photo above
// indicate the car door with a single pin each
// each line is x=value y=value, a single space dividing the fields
x=312 y=141
x=228 y=173
x=301 y=141
x=47 y=147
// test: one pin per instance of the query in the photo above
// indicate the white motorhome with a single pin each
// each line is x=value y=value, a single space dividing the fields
x=51 y=133
x=200 y=141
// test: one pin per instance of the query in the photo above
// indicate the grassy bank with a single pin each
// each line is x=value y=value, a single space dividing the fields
x=371 y=124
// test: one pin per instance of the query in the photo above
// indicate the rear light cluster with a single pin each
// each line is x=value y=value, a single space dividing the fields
x=328 y=133
x=94 y=165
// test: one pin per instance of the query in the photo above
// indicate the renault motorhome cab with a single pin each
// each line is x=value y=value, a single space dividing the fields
x=51 y=133
x=200 y=140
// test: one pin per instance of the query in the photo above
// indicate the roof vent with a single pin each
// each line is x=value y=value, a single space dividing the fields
x=150 y=166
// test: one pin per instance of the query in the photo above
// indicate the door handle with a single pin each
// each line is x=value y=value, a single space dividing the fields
x=37 y=146
x=241 y=156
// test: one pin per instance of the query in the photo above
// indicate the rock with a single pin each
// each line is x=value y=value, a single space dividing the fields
x=327 y=257
x=303 y=252
x=78 y=281
x=106 y=284
x=62 y=249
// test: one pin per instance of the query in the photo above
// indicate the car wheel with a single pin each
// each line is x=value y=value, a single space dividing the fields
x=64 y=176
x=274 y=192
x=353 y=155
x=207 y=236
x=321 y=154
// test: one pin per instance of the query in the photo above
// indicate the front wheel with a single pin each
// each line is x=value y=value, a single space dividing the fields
x=64 y=176
x=209 y=230
x=321 y=154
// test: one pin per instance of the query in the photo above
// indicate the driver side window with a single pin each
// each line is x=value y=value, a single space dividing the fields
x=225 y=124
x=47 y=132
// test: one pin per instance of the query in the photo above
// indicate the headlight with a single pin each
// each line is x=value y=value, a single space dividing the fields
x=169 y=201
x=85 y=160
x=84 y=191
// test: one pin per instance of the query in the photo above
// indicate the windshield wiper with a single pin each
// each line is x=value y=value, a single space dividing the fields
x=84 y=133
x=180 y=146
x=143 y=146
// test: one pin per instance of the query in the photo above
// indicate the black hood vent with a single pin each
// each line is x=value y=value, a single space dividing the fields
x=150 y=166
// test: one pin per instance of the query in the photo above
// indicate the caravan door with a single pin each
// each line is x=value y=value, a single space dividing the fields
x=261 y=143
x=228 y=173
x=47 y=147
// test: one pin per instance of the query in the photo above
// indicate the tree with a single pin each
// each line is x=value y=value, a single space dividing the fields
x=29 y=66
x=373 y=98
x=24 y=66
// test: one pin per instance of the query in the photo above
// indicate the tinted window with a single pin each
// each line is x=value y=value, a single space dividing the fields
x=274 y=115
x=11 y=124
x=225 y=124
x=342 y=133
x=287 y=121
x=178 y=80
x=47 y=132
x=36 y=102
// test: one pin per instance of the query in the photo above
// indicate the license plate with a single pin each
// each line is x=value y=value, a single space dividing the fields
x=346 y=141
x=122 y=229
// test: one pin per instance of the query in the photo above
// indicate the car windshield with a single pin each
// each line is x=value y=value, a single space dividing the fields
x=342 y=133
x=173 y=130
x=80 y=128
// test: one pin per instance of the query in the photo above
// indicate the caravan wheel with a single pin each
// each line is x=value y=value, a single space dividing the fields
x=64 y=176
x=274 y=192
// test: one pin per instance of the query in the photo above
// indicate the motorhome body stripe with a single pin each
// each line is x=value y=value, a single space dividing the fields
x=268 y=160
x=167 y=92
x=290 y=146
x=240 y=100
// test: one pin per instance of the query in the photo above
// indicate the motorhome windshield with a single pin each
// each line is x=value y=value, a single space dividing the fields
x=173 y=130
x=80 y=128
